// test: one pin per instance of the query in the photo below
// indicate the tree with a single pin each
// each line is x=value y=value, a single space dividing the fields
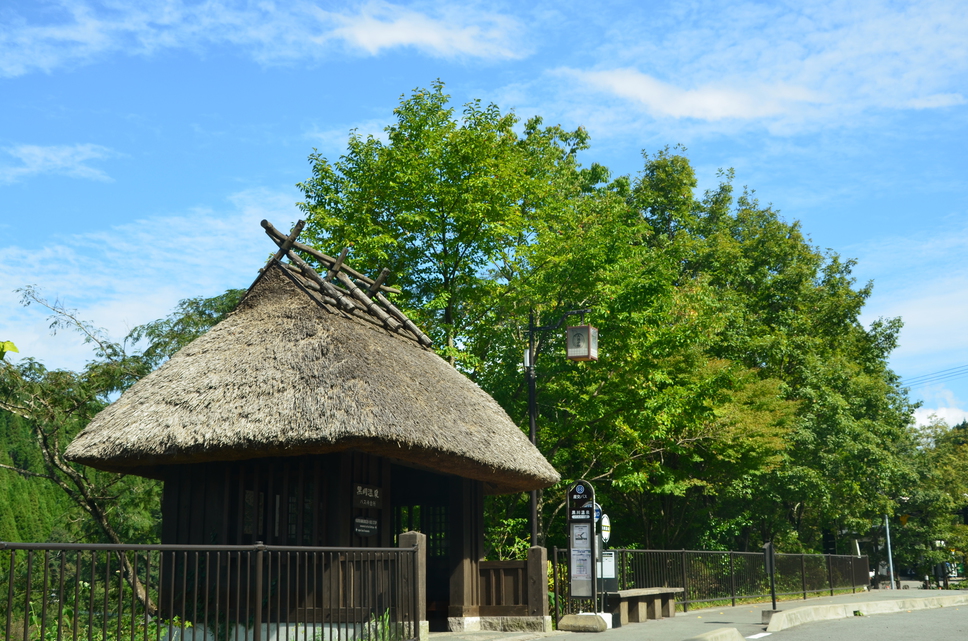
x=790 y=314
x=54 y=405
x=445 y=203
x=933 y=506
x=694 y=417
x=737 y=399
x=29 y=511
x=57 y=404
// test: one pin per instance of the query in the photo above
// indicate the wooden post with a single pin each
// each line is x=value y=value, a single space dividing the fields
x=465 y=530
x=538 y=582
x=419 y=540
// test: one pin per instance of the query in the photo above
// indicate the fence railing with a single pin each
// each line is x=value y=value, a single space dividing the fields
x=515 y=588
x=64 y=592
x=708 y=577
x=504 y=588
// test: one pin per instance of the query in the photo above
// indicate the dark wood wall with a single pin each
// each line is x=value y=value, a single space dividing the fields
x=312 y=500
x=279 y=501
x=344 y=499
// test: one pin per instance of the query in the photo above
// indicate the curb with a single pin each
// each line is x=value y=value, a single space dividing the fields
x=719 y=634
x=790 y=618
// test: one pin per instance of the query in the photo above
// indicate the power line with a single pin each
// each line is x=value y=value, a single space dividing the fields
x=942 y=375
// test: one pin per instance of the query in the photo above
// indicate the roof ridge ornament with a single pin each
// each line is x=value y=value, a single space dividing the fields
x=351 y=298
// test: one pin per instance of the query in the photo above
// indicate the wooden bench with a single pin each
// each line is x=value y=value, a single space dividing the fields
x=636 y=606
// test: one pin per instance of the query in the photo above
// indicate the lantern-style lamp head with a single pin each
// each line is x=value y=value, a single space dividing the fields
x=582 y=343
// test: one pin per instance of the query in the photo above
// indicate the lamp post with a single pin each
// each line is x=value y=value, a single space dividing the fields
x=531 y=376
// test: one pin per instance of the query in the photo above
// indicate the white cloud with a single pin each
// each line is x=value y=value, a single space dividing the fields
x=268 y=31
x=790 y=66
x=128 y=275
x=923 y=279
x=950 y=415
x=937 y=100
x=68 y=160
x=463 y=32
x=708 y=102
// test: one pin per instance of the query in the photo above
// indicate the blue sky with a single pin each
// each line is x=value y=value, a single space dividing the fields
x=140 y=146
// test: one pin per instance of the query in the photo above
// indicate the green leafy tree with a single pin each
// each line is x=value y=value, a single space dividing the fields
x=52 y=406
x=789 y=313
x=935 y=503
x=29 y=511
x=444 y=204
x=737 y=398
x=661 y=421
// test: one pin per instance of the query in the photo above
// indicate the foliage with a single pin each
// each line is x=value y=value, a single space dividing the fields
x=29 y=511
x=7 y=346
x=737 y=398
x=507 y=540
x=443 y=204
x=44 y=409
x=381 y=627
x=929 y=510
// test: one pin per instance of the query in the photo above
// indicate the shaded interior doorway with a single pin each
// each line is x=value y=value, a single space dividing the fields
x=420 y=504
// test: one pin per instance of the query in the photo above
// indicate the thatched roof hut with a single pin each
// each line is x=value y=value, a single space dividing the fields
x=312 y=364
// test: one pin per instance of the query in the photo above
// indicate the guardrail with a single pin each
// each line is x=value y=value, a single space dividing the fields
x=53 y=592
x=709 y=576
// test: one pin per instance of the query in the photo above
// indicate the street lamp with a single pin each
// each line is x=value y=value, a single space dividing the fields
x=582 y=345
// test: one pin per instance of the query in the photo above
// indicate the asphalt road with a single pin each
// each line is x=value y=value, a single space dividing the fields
x=936 y=624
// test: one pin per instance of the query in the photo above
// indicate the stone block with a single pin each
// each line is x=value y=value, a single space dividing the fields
x=582 y=623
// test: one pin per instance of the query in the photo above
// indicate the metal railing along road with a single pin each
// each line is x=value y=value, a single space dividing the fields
x=77 y=592
x=708 y=577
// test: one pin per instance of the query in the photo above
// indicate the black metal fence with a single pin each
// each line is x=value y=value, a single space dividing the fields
x=70 y=592
x=720 y=577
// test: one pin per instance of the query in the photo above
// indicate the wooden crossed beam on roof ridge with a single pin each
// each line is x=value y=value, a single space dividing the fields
x=352 y=298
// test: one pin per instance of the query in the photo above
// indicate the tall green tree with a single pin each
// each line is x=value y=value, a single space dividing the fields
x=29 y=511
x=935 y=505
x=789 y=313
x=445 y=203
x=659 y=417
x=738 y=398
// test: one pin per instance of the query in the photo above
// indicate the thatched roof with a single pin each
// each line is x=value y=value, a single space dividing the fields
x=302 y=367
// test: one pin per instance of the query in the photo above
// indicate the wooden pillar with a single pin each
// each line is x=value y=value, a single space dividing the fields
x=538 y=582
x=418 y=540
x=466 y=512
